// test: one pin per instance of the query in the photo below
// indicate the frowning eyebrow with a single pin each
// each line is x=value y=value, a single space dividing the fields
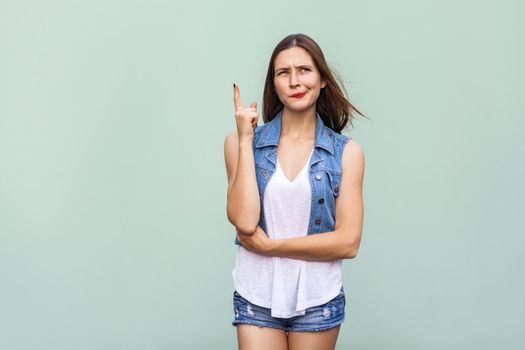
x=286 y=68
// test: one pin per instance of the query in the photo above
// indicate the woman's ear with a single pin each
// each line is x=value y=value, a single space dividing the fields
x=323 y=84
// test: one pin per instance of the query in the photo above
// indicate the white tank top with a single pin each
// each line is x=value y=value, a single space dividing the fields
x=287 y=286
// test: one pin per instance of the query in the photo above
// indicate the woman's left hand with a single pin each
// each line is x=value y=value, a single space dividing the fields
x=257 y=242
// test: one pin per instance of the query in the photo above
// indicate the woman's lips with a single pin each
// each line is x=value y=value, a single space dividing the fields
x=299 y=95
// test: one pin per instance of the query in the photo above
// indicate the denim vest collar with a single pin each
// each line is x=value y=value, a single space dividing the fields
x=270 y=135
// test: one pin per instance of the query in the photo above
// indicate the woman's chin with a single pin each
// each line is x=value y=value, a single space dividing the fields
x=298 y=107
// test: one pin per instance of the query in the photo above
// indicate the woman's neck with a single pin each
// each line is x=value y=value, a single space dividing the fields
x=298 y=125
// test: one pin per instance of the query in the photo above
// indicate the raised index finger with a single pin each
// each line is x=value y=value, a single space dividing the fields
x=237 y=97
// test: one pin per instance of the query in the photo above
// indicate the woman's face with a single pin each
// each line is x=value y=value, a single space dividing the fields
x=297 y=80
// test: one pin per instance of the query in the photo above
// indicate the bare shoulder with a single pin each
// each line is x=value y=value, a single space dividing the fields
x=232 y=139
x=353 y=151
x=231 y=145
x=353 y=158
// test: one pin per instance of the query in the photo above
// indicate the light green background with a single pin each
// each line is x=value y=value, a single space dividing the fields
x=113 y=229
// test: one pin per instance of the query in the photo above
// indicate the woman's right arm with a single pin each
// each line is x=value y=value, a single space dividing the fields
x=243 y=203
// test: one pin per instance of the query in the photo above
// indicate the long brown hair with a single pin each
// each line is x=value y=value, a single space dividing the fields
x=332 y=105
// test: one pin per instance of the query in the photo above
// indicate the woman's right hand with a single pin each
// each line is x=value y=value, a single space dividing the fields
x=246 y=118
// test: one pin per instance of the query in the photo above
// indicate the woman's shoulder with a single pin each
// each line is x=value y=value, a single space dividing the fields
x=337 y=136
x=232 y=138
x=352 y=153
x=346 y=146
x=339 y=141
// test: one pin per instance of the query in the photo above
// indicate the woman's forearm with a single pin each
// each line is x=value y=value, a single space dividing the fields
x=243 y=206
x=324 y=246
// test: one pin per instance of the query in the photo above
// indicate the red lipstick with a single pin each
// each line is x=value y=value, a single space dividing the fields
x=299 y=95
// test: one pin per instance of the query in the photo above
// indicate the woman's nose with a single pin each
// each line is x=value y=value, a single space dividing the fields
x=293 y=79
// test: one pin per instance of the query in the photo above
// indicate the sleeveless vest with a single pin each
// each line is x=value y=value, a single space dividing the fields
x=324 y=170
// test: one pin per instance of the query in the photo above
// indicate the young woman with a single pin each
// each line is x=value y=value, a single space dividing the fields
x=295 y=199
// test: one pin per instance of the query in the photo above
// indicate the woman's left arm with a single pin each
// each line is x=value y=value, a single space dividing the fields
x=343 y=242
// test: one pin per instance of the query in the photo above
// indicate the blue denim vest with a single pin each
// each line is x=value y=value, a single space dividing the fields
x=324 y=170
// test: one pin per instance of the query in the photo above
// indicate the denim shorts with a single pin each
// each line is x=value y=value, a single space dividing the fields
x=316 y=318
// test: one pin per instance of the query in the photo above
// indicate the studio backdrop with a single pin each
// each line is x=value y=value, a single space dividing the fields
x=113 y=115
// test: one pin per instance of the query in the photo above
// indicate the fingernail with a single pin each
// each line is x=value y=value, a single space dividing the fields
x=234 y=85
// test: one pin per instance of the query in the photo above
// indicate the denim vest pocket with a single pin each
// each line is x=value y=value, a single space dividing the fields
x=335 y=181
x=322 y=215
